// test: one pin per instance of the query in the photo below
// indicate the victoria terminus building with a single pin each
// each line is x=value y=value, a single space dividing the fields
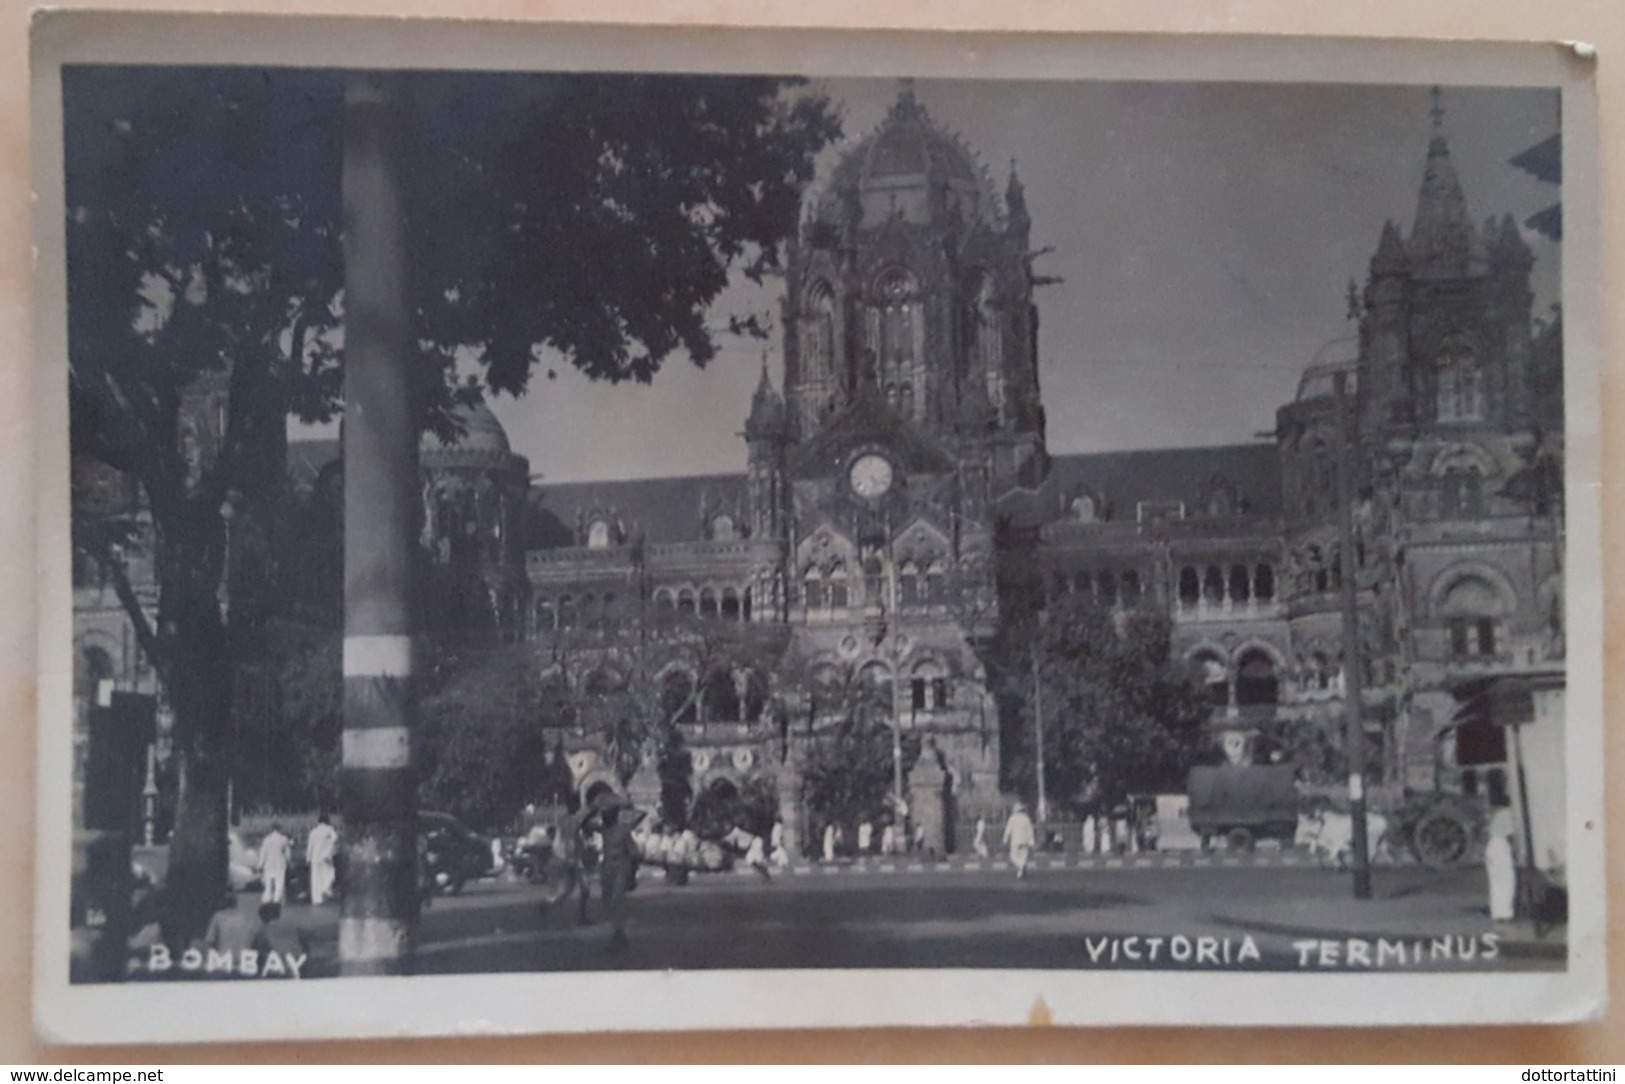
x=897 y=503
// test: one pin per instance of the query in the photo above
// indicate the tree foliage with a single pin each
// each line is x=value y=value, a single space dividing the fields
x=480 y=754
x=591 y=216
x=1120 y=715
x=849 y=763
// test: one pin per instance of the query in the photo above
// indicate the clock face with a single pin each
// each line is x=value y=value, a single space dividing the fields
x=871 y=476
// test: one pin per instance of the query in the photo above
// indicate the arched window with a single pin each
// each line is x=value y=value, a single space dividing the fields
x=1213 y=585
x=818 y=335
x=876 y=680
x=598 y=535
x=837 y=587
x=1190 y=587
x=1324 y=671
x=812 y=590
x=895 y=326
x=1256 y=682
x=1461 y=492
x=1315 y=568
x=1461 y=384
x=1241 y=585
x=1214 y=676
x=928 y=687
x=708 y=602
x=567 y=612
x=723 y=528
x=730 y=604
x=685 y=601
x=908 y=584
x=936 y=583
x=1471 y=609
x=1264 y=582
x=1131 y=588
x=989 y=340
x=664 y=600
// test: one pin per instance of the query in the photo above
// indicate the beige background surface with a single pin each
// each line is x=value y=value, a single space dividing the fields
x=1600 y=22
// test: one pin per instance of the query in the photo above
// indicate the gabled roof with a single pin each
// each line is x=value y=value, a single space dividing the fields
x=1122 y=480
x=662 y=510
x=869 y=420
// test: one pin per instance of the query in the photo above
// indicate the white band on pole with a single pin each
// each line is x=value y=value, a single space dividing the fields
x=378 y=656
x=378 y=747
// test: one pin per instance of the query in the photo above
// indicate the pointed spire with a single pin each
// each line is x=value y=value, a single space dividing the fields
x=1507 y=246
x=1442 y=239
x=766 y=421
x=1015 y=203
x=1391 y=257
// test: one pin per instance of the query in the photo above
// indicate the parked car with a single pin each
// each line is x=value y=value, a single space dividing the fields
x=453 y=855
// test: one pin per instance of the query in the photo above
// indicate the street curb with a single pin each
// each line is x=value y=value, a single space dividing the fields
x=1159 y=860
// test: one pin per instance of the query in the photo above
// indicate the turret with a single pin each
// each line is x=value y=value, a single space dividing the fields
x=767 y=432
x=1018 y=223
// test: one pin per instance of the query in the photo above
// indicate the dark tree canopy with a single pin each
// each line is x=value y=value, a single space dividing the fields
x=593 y=216
x=1120 y=715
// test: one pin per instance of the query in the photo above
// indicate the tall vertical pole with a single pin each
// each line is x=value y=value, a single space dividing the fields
x=1353 y=673
x=897 y=732
x=1038 y=737
x=378 y=921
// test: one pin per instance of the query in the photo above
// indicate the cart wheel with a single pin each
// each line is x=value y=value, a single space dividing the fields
x=1239 y=839
x=1441 y=839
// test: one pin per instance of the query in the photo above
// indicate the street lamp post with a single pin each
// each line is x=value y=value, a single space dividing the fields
x=1038 y=737
x=1353 y=716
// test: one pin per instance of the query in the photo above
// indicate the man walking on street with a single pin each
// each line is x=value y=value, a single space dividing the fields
x=1019 y=837
x=321 y=847
x=617 y=865
x=276 y=850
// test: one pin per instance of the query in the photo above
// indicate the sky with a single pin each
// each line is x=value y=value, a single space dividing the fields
x=1205 y=235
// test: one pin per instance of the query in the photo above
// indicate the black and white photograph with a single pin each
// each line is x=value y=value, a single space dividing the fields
x=622 y=521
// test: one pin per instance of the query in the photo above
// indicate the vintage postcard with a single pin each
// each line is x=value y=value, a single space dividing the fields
x=570 y=528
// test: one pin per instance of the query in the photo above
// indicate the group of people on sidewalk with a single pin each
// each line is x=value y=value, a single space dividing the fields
x=321 y=854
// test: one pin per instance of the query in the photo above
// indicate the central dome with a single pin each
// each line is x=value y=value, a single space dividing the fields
x=899 y=168
x=482 y=433
x=908 y=143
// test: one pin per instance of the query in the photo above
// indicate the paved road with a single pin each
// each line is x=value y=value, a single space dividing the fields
x=981 y=919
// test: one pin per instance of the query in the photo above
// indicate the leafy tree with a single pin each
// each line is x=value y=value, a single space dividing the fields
x=1120 y=715
x=592 y=216
x=482 y=756
x=848 y=762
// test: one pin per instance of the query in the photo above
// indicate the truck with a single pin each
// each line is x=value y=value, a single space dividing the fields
x=1243 y=803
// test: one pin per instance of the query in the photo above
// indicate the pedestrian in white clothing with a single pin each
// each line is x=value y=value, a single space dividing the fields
x=829 y=843
x=321 y=851
x=1499 y=865
x=980 y=844
x=276 y=850
x=866 y=835
x=1019 y=837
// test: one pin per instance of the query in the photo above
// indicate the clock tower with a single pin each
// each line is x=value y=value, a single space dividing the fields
x=911 y=399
